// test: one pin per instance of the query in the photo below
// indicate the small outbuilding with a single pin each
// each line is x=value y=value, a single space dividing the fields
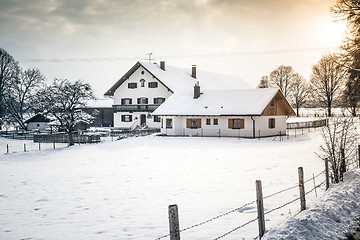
x=38 y=123
x=246 y=113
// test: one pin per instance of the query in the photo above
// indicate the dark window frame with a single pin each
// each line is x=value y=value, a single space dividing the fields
x=132 y=85
x=126 y=118
x=153 y=84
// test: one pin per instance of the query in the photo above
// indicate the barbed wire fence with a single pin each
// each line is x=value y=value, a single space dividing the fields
x=174 y=234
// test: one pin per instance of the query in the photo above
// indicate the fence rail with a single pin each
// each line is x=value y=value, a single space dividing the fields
x=63 y=138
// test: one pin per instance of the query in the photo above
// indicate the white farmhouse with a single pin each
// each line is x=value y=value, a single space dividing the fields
x=147 y=85
x=237 y=113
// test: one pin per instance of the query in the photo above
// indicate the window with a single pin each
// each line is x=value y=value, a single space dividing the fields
x=142 y=82
x=126 y=118
x=193 y=123
x=168 y=123
x=208 y=121
x=271 y=122
x=157 y=118
x=236 y=123
x=132 y=85
x=142 y=100
x=216 y=121
x=126 y=101
x=159 y=100
x=153 y=84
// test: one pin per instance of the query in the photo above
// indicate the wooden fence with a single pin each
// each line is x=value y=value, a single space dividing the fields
x=63 y=138
x=307 y=124
x=174 y=227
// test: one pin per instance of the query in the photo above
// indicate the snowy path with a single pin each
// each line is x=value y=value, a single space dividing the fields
x=121 y=190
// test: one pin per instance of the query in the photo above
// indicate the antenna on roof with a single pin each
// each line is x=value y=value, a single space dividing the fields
x=150 y=54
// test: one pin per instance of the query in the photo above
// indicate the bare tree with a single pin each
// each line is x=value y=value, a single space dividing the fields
x=22 y=93
x=340 y=144
x=264 y=82
x=282 y=78
x=62 y=100
x=349 y=11
x=9 y=71
x=327 y=80
x=299 y=92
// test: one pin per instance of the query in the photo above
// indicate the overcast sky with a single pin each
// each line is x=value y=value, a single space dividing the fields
x=99 y=40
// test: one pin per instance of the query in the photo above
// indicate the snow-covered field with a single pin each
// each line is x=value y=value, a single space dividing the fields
x=122 y=189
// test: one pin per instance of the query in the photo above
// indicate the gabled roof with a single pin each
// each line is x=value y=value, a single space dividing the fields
x=178 y=79
x=38 y=118
x=234 y=102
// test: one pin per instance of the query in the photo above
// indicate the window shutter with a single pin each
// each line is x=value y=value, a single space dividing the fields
x=138 y=101
x=130 y=100
x=162 y=123
x=230 y=123
x=130 y=118
x=122 y=118
x=155 y=101
x=198 y=123
x=188 y=123
x=122 y=101
x=242 y=123
x=146 y=100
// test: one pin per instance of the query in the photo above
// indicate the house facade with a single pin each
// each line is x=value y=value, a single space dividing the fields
x=146 y=86
x=249 y=113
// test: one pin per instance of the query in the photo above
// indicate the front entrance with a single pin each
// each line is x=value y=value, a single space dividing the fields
x=142 y=120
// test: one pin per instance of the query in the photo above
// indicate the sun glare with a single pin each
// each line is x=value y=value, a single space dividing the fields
x=334 y=33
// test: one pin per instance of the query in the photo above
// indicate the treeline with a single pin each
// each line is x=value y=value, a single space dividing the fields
x=335 y=79
x=24 y=92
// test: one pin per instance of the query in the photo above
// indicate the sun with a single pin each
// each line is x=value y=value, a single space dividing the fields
x=334 y=33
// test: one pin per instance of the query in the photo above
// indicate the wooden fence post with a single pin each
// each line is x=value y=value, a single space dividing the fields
x=7 y=148
x=314 y=185
x=174 y=222
x=54 y=145
x=327 y=182
x=24 y=147
x=39 y=146
x=359 y=155
x=260 y=208
x=302 y=189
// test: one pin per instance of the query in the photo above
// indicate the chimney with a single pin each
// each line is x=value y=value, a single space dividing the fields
x=162 y=65
x=193 y=72
x=197 y=90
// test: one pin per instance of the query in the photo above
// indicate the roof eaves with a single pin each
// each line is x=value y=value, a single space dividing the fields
x=111 y=91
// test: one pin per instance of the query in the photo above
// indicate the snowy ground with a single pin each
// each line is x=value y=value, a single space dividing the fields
x=330 y=216
x=121 y=189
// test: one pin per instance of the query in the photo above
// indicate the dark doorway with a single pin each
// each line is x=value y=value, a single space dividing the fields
x=142 y=119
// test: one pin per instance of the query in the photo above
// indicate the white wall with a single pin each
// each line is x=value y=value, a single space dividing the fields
x=261 y=123
x=124 y=92
x=41 y=126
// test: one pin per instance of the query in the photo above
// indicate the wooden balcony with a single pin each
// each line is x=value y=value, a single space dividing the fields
x=135 y=108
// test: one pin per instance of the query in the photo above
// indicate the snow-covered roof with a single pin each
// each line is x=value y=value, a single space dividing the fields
x=178 y=79
x=100 y=103
x=241 y=102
